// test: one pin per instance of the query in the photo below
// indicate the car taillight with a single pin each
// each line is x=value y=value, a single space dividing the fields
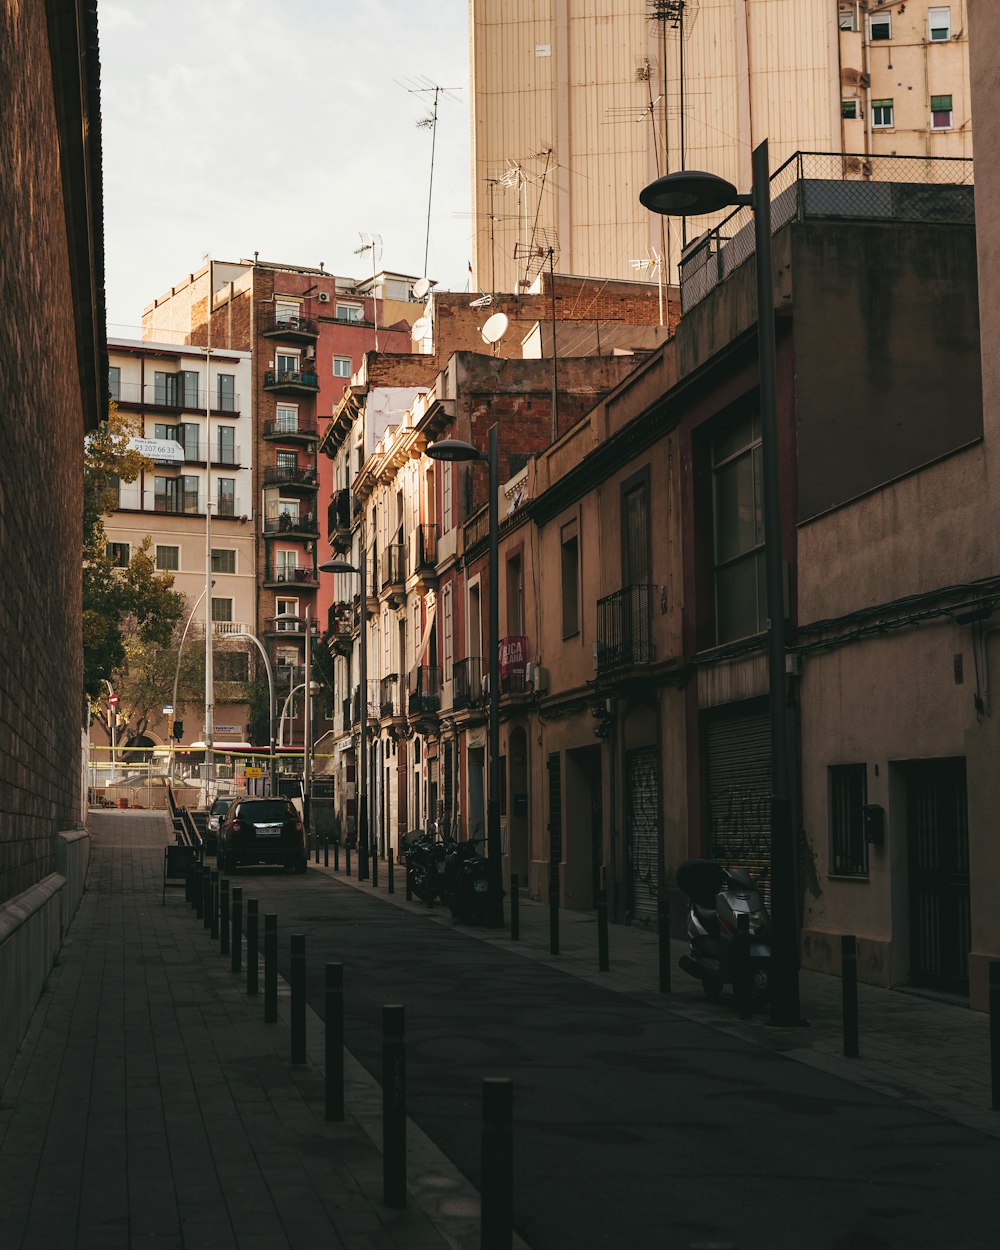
x=235 y=826
x=299 y=827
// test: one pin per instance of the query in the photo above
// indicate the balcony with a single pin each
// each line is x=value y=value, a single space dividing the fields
x=283 y=430
x=423 y=558
x=513 y=664
x=424 y=691
x=347 y=713
x=340 y=516
x=388 y=697
x=391 y=583
x=373 y=702
x=286 y=575
x=291 y=525
x=180 y=398
x=303 y=479
x=467 y=683
x=285 y=625
x=625 y=628
x=220 y=629
x=292 y=329
x=341 y=623
x=291 y=382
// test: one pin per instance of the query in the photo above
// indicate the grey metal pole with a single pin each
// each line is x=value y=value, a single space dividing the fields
x=784 y=913
x=493 y=804
x=362 y=786
x=307 y=736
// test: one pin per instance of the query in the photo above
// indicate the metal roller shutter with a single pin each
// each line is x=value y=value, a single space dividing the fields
x=738 y=750
x=643 y=773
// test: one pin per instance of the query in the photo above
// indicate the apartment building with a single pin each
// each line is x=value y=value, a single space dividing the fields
x=196 y=504
x=611 y=95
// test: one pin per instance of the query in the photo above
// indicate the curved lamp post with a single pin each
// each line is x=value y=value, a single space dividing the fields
x=270 y=700
x=454 y=450
x=177 y=673
x=345 y=566
x=692 y=192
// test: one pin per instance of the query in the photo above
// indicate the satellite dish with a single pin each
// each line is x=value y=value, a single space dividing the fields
x=421 y=328
x=421 y=287
x=495 y=328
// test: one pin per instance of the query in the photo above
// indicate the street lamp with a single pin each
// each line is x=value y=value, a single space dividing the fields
x=307 y=742
x=271 y=706
x=456 y=450
x=177 y=673
x=345 y=566
x=691 y=192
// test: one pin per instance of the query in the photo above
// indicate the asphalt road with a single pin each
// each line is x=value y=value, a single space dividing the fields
x=633 y=1125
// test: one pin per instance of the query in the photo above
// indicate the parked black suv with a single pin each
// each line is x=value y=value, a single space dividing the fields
x=262 y=831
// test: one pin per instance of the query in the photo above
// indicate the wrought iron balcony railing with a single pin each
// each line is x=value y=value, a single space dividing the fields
x=625 y=628
x=467 y=683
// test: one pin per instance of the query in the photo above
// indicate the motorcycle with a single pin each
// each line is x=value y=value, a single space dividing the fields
x=727 y=931
x=465 y=884
x=425 y=863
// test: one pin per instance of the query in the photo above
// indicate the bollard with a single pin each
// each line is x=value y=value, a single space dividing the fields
x=206 y=898
x=196 y=890
x=374 y=857
x=347 y=858
x=270 y=968
x=515 y=908
x=297 y=984
x=393 y=1108
x=334 y=1041
x=336 y=855
x=188 y=883
x=663 y=939
x=316 y=847
x=390 y=883
x=407 y=880
x=497 y=1170
x=253 y=944
x=237 y=936
x=224 y=916
x=602 y=931
x=553 y=907
x=326 y=849
x=214 y=904
x=995 y=1031
x=849 y=993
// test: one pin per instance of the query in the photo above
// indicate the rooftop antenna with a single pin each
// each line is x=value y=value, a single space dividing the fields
x=372 y=243
x=424 y=86
x=651 y=263
x=545 y=246
x=679 y=15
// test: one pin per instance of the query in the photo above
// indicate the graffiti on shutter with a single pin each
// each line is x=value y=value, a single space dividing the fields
x=643 y=771
x=739 y=789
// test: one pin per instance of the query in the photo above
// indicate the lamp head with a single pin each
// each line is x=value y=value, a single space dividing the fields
x=338 y=566
x=690 y=192
x=453 y=449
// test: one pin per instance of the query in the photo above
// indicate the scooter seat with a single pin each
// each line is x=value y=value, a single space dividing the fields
x=708 y=918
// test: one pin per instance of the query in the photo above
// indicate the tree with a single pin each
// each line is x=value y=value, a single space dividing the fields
x=133 y=601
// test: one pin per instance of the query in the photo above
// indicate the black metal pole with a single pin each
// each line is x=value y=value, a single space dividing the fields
x=198 y=891
x=407 y=880
x=515 y=908
x=553 y=905
x=390 y=883
x=336 y=854
x=224 y=916
x=374 y=860
x=334 y=995
x=995 y=1032
x=214 y=918
x=297 y=984
x=602 y=931
x=785 y=1008
x=663 y=941
x=326 y=849
x=270 y=968
x=347 y=858
x=205 y=911
x=361 y=788
x=849 y=993
x=497 y=1211
x=236 y=956
x=253 y=944
x=493 y=844
x=393 y=1107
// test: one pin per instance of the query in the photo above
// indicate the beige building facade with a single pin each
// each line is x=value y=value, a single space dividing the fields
x=578 y=104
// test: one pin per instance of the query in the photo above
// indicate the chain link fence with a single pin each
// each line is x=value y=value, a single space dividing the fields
x=830 y=185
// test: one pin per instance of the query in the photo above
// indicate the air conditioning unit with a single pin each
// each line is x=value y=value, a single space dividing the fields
x=323 y=297
x=310 y=353
x=540 y=679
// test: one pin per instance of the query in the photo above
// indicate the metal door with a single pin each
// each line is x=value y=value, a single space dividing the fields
x=642 y=770
x=937 y=825
x=738 y=752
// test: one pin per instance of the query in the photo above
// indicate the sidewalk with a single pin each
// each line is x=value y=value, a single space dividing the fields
x=150 y=1105
x=924 y=1050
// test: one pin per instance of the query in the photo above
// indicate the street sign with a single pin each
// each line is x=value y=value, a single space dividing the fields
x=168 y=710
x=112 y=700
x=250 y=771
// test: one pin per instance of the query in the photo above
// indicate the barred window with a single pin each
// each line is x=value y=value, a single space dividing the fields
x=848 y=788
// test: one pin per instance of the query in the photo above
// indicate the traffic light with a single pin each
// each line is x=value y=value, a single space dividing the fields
x=178 y=730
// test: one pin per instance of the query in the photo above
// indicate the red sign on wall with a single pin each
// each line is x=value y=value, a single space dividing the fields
x=513 y=655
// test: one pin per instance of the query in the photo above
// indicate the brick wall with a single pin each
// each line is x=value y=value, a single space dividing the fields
x=40 y=471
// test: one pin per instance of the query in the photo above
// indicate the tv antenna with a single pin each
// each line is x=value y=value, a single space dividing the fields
x=371 y=243
x=545 y=247
x=651 y=263
x=421 y=85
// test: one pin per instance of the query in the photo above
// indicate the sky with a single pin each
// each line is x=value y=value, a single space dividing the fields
x=282 y=127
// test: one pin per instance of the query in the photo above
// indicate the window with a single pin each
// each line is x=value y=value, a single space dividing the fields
x=232 y=666
x=227 y=497
x=168 y=559
x=119 y=554
x=848 y=787
x=222 y=609
x=286 y=562
x=447 y=519
x=448 y=627
x=115 y=382
x=175 y=494
x=939 y=24
x=942 y=116
x=226 y=447
x=286 y=460
x=848 y=16
x=285 y=311
x=223 y=560
x=515 y=597
x=849 y=110
x=882 y=114
x=880 y=26
x=349 y=312
x=226 y=396
x=570 y=581
x=287 y=418
x=186 y=434
x=740 y=598
x=288 y=362
x=341 y=366
x=178 y=390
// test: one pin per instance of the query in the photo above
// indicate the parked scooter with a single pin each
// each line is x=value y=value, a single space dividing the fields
x=727 y=931
x=425 y=863
x=465 y=884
